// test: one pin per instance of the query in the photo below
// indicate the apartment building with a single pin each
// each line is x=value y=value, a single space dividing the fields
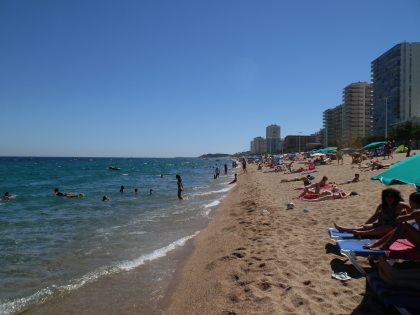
x=333 y=126
x=273 y=138
x=356 y=113
x=396 y=87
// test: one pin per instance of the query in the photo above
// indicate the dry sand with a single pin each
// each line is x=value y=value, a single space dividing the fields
x=256 y=257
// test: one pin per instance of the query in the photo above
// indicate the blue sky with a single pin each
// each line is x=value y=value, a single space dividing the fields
x=181 y=78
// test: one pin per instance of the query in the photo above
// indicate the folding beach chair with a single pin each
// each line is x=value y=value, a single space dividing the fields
x=399 y=298
x=400 y=249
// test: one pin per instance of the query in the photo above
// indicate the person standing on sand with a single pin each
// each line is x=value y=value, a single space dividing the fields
x=244 y=164
x=339 y=156
x=409 y=144
x=180 y=186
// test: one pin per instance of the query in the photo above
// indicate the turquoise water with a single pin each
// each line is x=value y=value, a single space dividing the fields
x=50 y=245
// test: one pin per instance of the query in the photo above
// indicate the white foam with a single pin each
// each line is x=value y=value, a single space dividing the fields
x=161 y=252
x=213 y=191
x=42 y=295
x=212 y=204
x=137 y=233
x=200 y=187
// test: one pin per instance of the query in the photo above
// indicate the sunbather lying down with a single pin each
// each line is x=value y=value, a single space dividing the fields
x=403 y=229
x=332 y=194
x=374 y=165
x=384 y=218
x=306 y=180
x=355 y=179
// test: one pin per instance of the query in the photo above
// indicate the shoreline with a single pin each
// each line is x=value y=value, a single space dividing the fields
x=125 y=292
x=252 y=257
x=256 y=257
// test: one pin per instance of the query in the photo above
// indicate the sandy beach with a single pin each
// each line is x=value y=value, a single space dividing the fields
x=257 y=257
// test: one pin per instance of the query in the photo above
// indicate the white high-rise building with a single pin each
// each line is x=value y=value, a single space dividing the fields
x=396 y=87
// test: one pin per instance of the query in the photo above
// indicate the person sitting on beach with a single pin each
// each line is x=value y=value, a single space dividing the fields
x=384 y=218
x=6 y=196
x=314 y=188
x=403 y=229
x=354 y=180
x=234 y=180
x=332 y=194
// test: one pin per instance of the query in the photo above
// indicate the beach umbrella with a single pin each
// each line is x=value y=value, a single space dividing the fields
x=327 y=150
x=404 y=172
x=374 y=145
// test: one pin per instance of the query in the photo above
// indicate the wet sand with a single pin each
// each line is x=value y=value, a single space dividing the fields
x=257 y=257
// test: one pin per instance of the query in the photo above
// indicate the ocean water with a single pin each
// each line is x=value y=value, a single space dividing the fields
x=50 y=245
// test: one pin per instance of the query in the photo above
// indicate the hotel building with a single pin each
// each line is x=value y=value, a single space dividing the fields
x=396 y=87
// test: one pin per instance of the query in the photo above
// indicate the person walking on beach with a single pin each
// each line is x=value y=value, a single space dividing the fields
x=339 y=155
x=180 y=186
x=244 y=164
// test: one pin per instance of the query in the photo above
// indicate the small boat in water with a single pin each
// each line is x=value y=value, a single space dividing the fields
x=114 y=168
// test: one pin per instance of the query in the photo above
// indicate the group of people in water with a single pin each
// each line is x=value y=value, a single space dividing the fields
x=58 y=193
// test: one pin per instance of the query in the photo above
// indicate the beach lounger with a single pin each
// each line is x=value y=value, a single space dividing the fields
x=336 y=235
x=400 y=249
x=399 y=298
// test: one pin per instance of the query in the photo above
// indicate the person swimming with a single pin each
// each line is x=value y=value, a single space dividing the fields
x=58 y=193
x=6 y=196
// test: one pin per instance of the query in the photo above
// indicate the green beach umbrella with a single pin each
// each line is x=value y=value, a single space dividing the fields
x=374 y=145
x=404 y=172
x=327 y=150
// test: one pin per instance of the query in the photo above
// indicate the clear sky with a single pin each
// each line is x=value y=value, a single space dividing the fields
x=170 y=78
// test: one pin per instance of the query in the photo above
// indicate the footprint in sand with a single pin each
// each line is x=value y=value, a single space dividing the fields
x=233 y=298
x=238 y=255
x=265 y=285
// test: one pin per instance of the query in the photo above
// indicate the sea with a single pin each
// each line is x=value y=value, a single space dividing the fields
x=53 y=246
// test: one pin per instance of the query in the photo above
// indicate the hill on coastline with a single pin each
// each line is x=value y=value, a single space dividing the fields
x=214 y=156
